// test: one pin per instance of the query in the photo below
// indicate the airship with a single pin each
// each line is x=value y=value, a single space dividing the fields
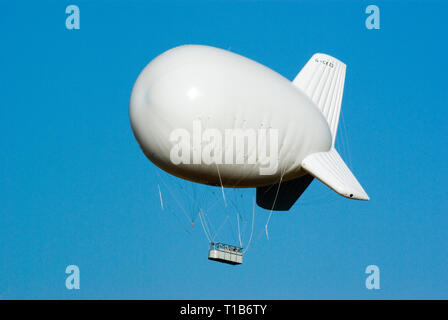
x=185 y=102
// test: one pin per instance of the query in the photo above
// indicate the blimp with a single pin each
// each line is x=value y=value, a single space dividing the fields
x=214 y=117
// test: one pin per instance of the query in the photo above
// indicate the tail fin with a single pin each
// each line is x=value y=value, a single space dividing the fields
x=330 y=169
x=322 y=79
x=281 y=197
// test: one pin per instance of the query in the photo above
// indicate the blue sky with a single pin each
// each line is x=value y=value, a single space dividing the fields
x=76 y=189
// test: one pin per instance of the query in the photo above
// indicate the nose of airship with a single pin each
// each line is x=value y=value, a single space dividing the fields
x=166 y=96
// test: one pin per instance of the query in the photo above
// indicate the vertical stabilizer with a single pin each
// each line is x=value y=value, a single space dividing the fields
x=322 y=79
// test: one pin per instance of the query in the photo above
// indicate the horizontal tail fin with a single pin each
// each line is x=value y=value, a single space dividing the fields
x=330 y=169
x=322 y=80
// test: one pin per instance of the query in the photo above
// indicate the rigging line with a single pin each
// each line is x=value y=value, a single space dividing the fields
x=188 y=193
x=179 y=221
x=273 y=205
x=222 y=187
x=183 y=189
x=233 y=186
x=252 y=231
x=204 y=214
x=347 y=142
x=219 y=229
x=246 y=156
x=205 y=222
x=181 y=224
x=239 y=231
x=203 y=228
x=160 y=196
x=260 y=234
x=190 y=206
x=232 y=229
x=341 y=140
x=196 y=204
x=195 y=199
x=244 y=227
x=179 y=204
x=219 y=175
x=269 y=188
x=175 y=199
x=238 y=217
x=212 y=205
x=264 y=229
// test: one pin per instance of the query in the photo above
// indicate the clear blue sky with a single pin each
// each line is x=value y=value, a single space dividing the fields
x=76 y=189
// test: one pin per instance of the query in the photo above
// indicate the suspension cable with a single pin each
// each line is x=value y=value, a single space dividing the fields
x=273 y=205
x=160 y=196
x=252 y=231
x=222 y=187
x=202 y=223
